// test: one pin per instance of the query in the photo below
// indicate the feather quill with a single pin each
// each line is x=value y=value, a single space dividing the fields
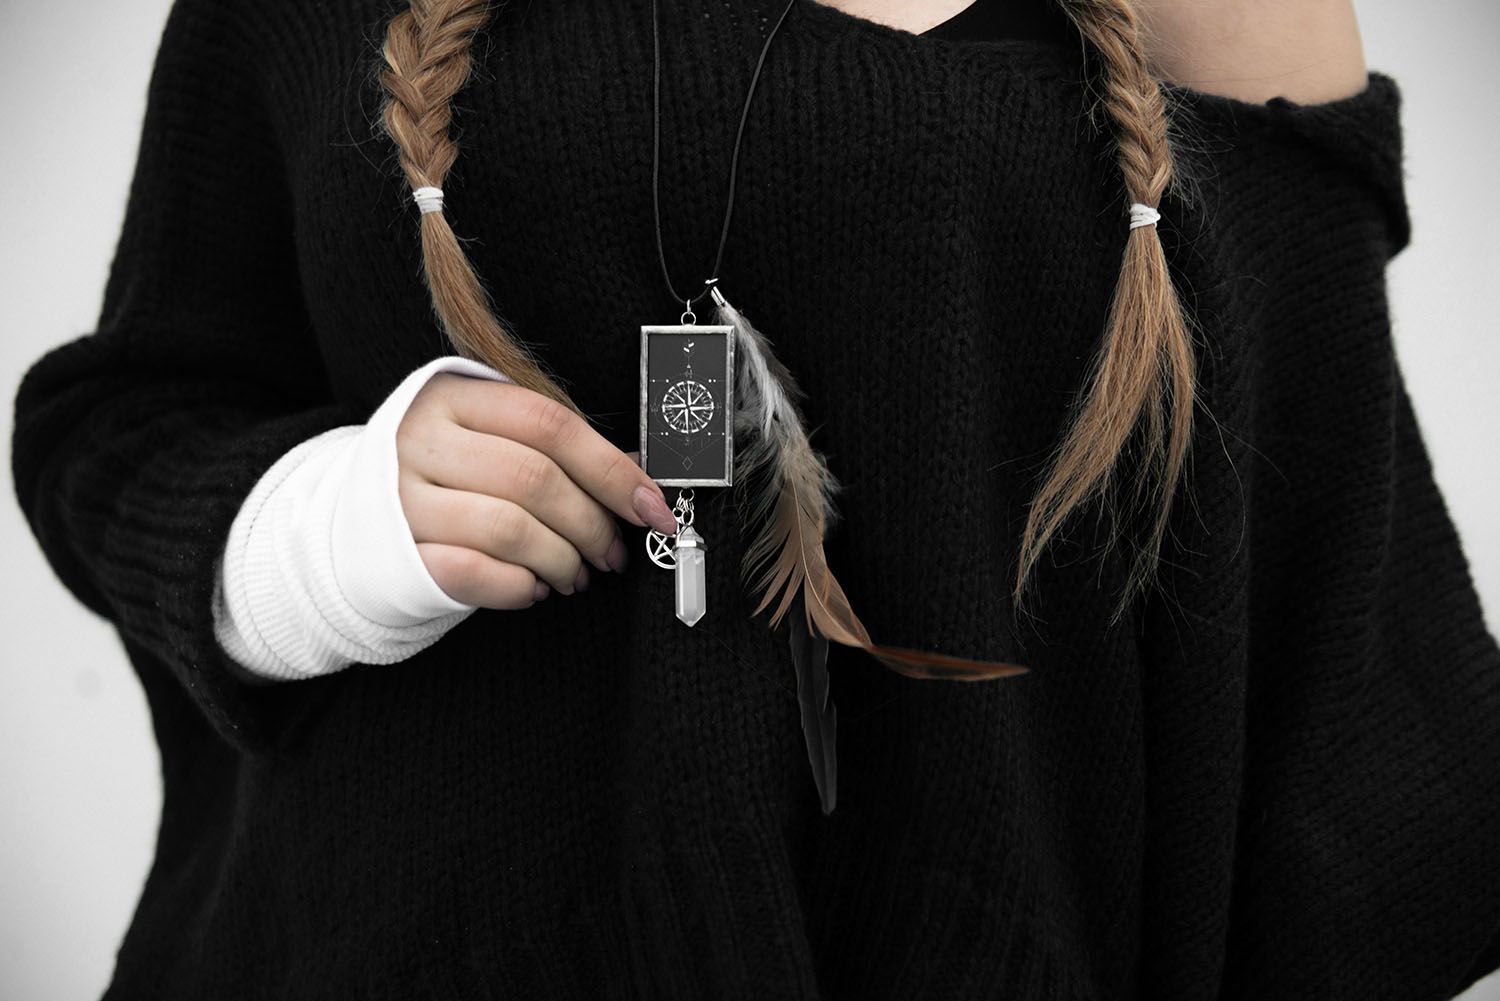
x=790 y=507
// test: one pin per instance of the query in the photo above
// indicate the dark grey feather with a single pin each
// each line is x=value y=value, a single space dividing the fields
x=819 y=714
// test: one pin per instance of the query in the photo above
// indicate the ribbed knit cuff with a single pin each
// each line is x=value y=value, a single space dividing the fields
x=320 y=570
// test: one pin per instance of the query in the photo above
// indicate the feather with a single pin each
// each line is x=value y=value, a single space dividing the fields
x=790 y=507
x=820 y=717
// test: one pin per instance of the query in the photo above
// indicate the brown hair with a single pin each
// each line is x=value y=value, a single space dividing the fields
x=1144 y=368
x=427 y=62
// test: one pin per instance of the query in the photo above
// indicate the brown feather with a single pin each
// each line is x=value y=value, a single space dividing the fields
x=939 y=667
x=791 y=507
x=803 y=564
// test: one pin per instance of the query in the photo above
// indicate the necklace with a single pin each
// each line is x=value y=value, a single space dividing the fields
x=701 y=384
x=687 y=380
x=701 y=388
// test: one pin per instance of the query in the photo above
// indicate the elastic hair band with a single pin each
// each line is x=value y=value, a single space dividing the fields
x=1142 y=215
x=428 y=199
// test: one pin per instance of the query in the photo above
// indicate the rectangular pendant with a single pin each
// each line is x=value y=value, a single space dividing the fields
x=687 y=404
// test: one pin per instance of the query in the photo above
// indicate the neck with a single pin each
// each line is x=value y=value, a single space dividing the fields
x=915 y=16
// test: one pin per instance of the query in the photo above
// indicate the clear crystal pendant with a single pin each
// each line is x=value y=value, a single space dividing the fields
x=683 y=553
x=692 y=581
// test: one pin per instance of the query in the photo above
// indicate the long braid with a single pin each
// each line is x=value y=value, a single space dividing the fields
x=1146 y=358
x=1145 y=361
x=427 y=61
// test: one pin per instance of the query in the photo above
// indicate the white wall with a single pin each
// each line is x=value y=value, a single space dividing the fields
x=78 y=769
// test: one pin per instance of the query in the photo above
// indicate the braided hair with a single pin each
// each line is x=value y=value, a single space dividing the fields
x=1141 y=381
x=427 y=61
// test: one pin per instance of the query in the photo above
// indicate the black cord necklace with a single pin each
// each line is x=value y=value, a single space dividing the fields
x=689 y=418
x=688 y=397
x=733 y=161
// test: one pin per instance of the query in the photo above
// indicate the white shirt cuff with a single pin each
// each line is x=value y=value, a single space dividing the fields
x=320 y=570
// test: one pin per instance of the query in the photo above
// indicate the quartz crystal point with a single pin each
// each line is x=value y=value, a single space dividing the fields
x=692 y=583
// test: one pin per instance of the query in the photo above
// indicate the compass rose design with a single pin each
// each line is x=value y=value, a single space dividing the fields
x=687 y=406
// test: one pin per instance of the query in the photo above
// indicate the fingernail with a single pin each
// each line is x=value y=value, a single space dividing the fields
x=616 y=557
x=654 y=511
x=581 y=582
x=542 y=590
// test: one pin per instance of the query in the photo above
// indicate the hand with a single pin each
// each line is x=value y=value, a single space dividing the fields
x=507 y=492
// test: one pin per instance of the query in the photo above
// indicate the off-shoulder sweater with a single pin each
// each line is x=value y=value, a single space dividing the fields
x=1273 y=777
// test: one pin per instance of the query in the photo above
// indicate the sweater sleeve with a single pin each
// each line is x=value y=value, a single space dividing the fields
x=1333 y=646
x=135 y=445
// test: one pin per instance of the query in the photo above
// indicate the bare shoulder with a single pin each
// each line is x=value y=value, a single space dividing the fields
x=1308 y=51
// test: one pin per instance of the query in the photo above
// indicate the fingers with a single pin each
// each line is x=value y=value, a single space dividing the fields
x=507 y=493
x=500 y=529
x=488 y=467
x=599 y=468
x=476 y=579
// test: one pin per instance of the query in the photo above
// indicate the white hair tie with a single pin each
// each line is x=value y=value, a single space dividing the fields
x=1142 y=215
x=428 y=199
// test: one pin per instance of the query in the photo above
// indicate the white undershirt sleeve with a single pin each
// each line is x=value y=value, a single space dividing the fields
x=320 y=570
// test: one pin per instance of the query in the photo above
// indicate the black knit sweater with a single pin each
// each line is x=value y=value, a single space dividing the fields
x=1275 y=777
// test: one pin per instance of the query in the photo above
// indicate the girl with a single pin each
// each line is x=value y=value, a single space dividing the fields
x=1251 y=752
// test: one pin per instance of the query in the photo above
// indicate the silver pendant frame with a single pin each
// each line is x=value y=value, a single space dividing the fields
x=691 y=329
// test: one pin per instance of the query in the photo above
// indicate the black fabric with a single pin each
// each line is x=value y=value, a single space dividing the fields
x=988 y=20
x=1274 y=778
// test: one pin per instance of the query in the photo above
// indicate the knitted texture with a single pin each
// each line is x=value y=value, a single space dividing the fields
x=321 y=570
x=1274 y=778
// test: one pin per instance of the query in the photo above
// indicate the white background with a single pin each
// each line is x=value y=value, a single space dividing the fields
x=78 y=767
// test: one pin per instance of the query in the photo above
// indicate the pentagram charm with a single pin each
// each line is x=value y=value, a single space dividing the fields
x=660 y=549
